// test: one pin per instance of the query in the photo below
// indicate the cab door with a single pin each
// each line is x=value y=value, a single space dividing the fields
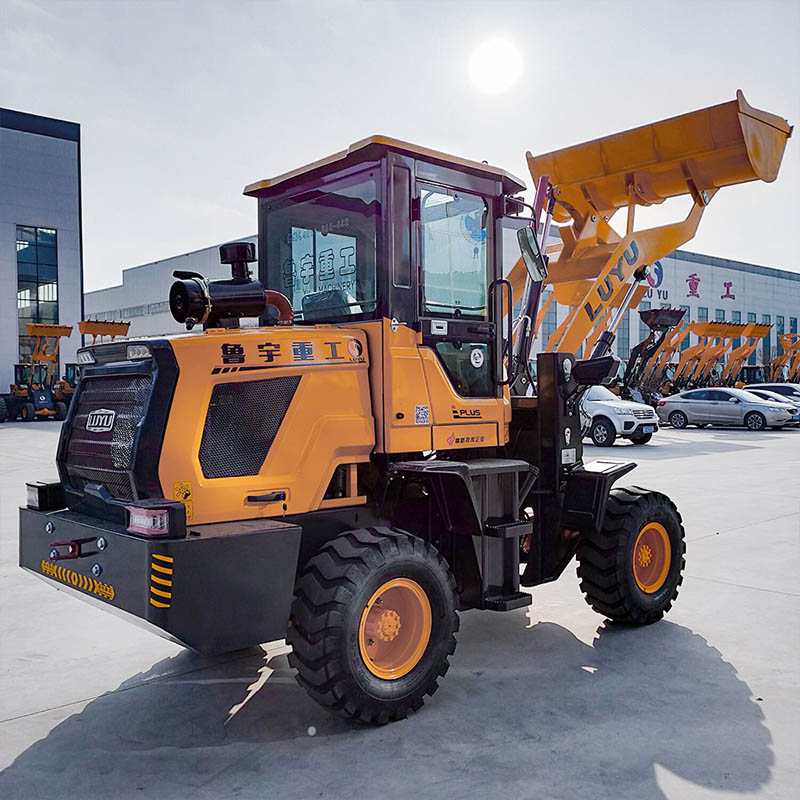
x=459 y=307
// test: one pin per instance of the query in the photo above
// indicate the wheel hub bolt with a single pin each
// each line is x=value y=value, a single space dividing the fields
x=97 y=570
x=49 y=528
x=53 y=554
x=370 y=642
x=102 y=543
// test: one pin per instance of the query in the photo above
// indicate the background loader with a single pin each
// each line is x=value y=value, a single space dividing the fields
x=356 y=470
x=31 y=396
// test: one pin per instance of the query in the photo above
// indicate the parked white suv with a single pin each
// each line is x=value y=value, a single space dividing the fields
x=604 y=417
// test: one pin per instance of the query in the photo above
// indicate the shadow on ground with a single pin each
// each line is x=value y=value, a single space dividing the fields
x=525 y=711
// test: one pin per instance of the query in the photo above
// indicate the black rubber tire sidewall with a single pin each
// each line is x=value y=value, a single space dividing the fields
x=760 y=416
x=611 y=433
x=657 y=601
x=643 y=439
x=681 y=415
x=440 y=598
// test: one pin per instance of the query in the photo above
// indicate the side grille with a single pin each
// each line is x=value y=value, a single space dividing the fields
x=106 y=456
x=242 y=421
x=642 y=414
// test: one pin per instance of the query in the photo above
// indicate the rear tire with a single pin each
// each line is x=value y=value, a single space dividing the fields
x=630 y=571
x=3 y=410
x=643 y=439
x=28 y=412
x=602 y=433
x=755 y=421
x=341 y=594
x=678 y=419
x=61 y=411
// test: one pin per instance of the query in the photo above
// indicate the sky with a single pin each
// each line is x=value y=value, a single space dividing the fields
x=181 y=104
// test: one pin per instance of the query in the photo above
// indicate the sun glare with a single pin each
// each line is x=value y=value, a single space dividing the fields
x=495 y=66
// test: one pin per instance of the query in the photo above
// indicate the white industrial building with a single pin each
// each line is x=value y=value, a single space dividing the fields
x=40 y=233
x=708 y=288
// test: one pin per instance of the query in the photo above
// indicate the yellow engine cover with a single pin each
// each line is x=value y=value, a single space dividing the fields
x=328 y=422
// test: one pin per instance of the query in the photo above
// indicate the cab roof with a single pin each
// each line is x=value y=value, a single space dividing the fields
x=363 y=149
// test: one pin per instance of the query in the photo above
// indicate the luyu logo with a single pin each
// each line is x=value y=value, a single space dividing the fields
x=100 y=420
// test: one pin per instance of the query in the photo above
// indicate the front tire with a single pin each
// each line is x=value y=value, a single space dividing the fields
x=602 y=433
x=755 y=421
x=630 y=571
x=642 y=439
x=61 y=411
x=373 y=623
x=28 y=412
x=678 y=419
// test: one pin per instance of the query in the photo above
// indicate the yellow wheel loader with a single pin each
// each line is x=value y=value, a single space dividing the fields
x=33 y=394
x=354 y=472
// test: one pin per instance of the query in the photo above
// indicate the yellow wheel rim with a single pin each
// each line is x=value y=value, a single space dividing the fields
x=395 y=628
x=652 y=557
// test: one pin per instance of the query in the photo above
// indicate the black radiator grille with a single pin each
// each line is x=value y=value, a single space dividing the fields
x=242 y=421
x=106 y=457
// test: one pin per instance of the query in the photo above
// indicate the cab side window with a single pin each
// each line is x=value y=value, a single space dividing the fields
x=453 y=253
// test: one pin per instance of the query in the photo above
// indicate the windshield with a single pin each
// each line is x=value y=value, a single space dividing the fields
x=600 y=393
x=321 y=249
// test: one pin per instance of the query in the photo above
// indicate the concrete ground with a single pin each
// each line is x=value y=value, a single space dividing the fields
x=552 y=703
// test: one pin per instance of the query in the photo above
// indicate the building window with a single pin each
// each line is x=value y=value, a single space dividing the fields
x=780 y=327
x=702 y=314
x=751 y=317
x=792 y=324
x=37 y=282
x=624 y=337
x=719 y=314
x=766 y=341
x=684 y=323
x=736 y=316
x=643 y=329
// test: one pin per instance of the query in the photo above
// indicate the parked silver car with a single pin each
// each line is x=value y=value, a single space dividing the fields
x=722 y=407
x=779 y=399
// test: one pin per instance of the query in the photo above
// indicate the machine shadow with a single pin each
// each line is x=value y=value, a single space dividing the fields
x=522 y=709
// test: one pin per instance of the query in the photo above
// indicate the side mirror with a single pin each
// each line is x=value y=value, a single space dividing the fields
x=535 y=262
x=733 y=399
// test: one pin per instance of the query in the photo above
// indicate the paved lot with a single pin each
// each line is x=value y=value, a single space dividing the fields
x=549 y=704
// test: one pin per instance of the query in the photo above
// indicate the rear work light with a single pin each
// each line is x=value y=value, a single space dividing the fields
x=148 y=521
x=45 y=496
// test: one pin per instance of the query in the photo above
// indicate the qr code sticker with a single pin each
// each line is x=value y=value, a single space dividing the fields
x=421 y=415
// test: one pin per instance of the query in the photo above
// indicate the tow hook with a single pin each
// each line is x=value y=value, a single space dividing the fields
x=73 y=551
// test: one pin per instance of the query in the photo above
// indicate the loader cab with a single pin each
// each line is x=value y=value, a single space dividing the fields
x=389 y=231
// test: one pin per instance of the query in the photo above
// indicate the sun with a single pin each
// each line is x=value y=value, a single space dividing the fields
x=495 y=66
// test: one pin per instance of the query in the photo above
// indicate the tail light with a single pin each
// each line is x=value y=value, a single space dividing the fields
x=157 y=518
x=662 y=403
x=148 y=521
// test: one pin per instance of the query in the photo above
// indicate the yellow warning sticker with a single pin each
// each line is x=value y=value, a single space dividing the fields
x=182 y=491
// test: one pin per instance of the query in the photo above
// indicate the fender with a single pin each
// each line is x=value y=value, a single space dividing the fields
x=587 y=492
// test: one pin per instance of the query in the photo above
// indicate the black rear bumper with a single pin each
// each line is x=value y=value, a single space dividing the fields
x=222 y=588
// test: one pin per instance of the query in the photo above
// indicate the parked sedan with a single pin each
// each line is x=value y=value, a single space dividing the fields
x=778 y=399
x=722 y=407
x=605 y=417
x=790 y=391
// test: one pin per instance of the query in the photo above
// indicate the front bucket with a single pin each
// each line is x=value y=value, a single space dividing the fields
x=703 y=150
x=661 y=319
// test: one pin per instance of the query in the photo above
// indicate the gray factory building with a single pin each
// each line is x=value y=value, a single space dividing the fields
x=40 y=233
